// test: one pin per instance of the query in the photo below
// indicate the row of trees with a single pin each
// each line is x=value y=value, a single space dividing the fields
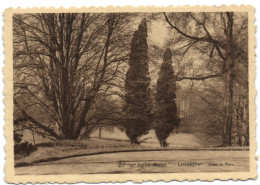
x=70 y=71
x=138 y=107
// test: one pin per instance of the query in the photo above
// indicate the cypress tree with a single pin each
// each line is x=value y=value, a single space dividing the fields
x=137 y=98
x=167 y=117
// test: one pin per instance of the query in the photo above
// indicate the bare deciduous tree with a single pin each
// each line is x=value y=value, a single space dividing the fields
x=220 y=36
x=64 y=62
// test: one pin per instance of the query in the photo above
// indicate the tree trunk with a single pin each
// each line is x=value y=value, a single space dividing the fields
x=134 y=140
x=33 y=137
x=84 y=134
x=99 y=132
x=229 y=78
x=87 y=106
x=228 y=109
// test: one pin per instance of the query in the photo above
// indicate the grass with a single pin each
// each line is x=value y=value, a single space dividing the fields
x=56 y=150
x=66 y=148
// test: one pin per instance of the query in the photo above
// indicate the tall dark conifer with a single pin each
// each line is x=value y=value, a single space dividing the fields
x=137 y=97
x=167 y=117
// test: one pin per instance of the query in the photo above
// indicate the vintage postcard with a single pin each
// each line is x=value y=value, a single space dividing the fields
x=122 y=94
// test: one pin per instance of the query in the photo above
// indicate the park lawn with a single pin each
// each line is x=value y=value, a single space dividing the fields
x=68 y=148
x=109 y=163
x=54 y=150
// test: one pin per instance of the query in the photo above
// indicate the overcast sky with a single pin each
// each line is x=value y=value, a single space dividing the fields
x=158 y=33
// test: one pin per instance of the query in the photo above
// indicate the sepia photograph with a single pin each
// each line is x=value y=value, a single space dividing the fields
x=130 y=92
